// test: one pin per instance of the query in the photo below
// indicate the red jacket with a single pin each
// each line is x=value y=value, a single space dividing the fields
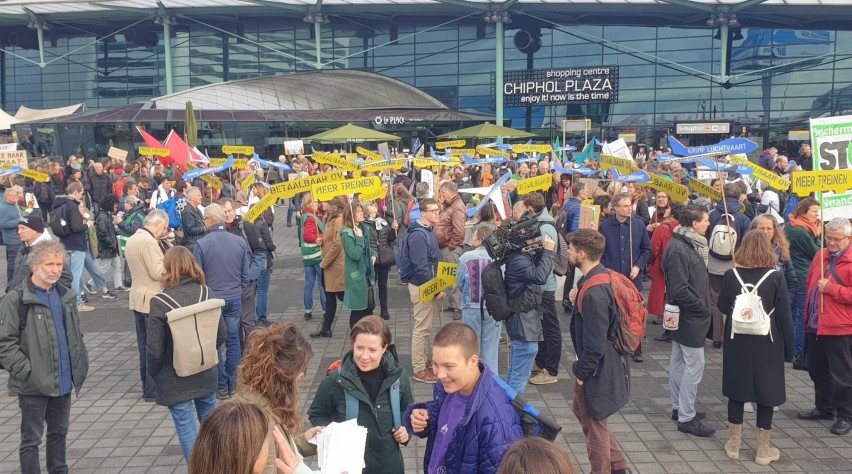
x=836 y=316
x=311 y=231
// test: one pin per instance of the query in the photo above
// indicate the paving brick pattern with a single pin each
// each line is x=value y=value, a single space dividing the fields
x=113 y=430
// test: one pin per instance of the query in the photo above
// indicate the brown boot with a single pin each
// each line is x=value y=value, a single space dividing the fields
x=766 y=453
x=735 y=439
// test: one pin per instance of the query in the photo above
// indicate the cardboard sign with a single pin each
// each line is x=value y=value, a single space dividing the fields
x=239 y=163
x=532 y=148
x=212 y=181
x=763 y=174
x=148 y=151
x=117 y=153
x=260 y=207
x=35 y=175
x=539 y=183
x=248 y=182
x=705 y=190
x=237 y=150
x=589 y=215
x=288 y=189
x=836 y=181
x=14 y=158
x=328 y=191
x=450 y=144
x=335 y=160
x=384 y=149
x=484 y=150
x=369 y=154
x=374 y=194
x=433 y=287
x=592 y=187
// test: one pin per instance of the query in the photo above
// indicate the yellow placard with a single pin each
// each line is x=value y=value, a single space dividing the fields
x=248 y=182
x=289 y=189
x=239 y=163
x=450 y=144
x=212 y=181
x=433 y=287
x=237 y=149
x=539 y=183
x=259 y=207
x=149 y=151
x=428 y=163
x=369 y=154
x=763 y=174
x=523 y=148
x=373 y=194
x=335 y=160
x=806 y=182
x=35 y=175
x=376 y=167
x=675 y=191
x=705 y=190
x=447 y=270
x=484 y=150
x=462 y=151
x=328 y=191
x=621 y=164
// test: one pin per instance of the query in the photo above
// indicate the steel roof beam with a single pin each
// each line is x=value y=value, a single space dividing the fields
x=471 y=5
x=694 y=5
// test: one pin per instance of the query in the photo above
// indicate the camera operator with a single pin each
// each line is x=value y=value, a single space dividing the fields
x=525 y=273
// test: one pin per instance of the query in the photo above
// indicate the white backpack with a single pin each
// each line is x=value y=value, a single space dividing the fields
x=723 y=238
x=749 y=317
x=194 y=329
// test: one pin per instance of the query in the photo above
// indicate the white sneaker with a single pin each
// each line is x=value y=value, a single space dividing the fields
x=748 y=407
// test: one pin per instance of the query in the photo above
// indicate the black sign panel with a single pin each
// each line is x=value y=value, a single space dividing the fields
x=582 y=85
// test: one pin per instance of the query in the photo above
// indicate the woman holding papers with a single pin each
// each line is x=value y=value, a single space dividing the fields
x=272 y=369
x=371 y=377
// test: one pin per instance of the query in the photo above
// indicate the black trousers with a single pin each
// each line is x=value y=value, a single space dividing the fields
x=357 y=314
x=550 y=349
x=569 y=284
x=382 y=273
x=331 y=298
x=148 y=388
x=37 y=411
x=735 y=414
x=830 y=368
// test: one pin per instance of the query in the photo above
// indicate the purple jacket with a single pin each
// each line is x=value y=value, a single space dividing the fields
x=481 y=439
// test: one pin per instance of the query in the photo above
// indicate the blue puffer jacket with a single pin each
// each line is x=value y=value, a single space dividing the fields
x=488 y=429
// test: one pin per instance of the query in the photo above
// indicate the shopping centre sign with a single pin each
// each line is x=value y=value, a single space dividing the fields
x=585 y=85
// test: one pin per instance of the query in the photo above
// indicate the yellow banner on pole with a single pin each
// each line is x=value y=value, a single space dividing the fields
x=237 y=150
x=675 y=191
x=433 y=287
x=450 y=144
x=539 y=183
x=369 y=154
x=248 y=182
x=35 y=175
x=212 y=181
x=806 y=182
x=705 y=190
x=429 y=163
x=289 y=189
x=523 y=148
x=621 y=164
x=328 y=191
x=335 y=160
x=763 y=174
x=484 y=150
x=375 y=167
x=447 y=270
x=462 y=151
x=373 y=194
x=239 y=163
x=260 y=207
x=149 y=151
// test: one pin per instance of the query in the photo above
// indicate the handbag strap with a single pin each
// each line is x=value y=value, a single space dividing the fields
x=833 y=269
x=171 y=303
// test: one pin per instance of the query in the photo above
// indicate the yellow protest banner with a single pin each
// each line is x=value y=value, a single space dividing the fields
x=433 y=287
x=705 y=190
x=523 y=148
x=621 y=164
x=239 y=163
x=35 y=175
x=249 y=181
x=763 y=174
x=334 y=160
x=259 y=207
x=539 y=183
x=289 y=189
x=237 y=150
x=369 y=154
x=212 y=181
x=462 y=151
x=450 y=144
x=328 y=191
x=428 y=163
x=807 y=182
x=675 y=191
x=447 y=270
x=373 y=194
x=376 y=166
x=148 y=151
x=484 y=150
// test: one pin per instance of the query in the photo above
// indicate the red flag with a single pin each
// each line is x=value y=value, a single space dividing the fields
x=179 y=150
x=152 y=142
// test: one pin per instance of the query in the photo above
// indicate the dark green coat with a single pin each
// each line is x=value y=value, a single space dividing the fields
x=31 y=356
x=383 y=454
x=803 y=247
x=358 y=267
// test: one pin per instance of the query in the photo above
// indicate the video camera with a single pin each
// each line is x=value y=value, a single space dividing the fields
x=512 y=236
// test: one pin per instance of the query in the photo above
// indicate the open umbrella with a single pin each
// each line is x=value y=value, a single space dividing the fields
x=190 y=128
x=351 y=134
x=487 y=130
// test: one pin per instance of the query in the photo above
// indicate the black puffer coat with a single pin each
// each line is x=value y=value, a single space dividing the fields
x=687 y=286
x=382 y=241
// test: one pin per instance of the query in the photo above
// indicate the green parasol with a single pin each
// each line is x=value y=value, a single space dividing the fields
x=351 y=134
x=190 y=127
x=487 y=130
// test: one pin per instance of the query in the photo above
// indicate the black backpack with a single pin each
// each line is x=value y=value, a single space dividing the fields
x=59 y=221
x=494 y=296
x=22 y=315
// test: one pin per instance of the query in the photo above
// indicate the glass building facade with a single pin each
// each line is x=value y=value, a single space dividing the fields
x=779 y=78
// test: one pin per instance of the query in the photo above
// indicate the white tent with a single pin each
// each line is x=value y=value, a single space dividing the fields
x=26 y=114
x=6 y=120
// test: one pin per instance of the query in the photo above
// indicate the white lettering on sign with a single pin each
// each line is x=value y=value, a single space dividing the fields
x=380 y=120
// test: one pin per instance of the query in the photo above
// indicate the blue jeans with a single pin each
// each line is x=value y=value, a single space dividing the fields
x=520 y=365
x=94 y=271
x=313 y=275
x=76 y=260
x=262 y=292
x=229 y=358
x=489 y=335
x=799 y=323
x=185 y=420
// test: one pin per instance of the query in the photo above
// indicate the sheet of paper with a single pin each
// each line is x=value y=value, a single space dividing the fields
x=340 y=448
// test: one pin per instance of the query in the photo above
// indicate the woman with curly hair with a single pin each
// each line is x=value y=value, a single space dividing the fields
x=274 y=362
